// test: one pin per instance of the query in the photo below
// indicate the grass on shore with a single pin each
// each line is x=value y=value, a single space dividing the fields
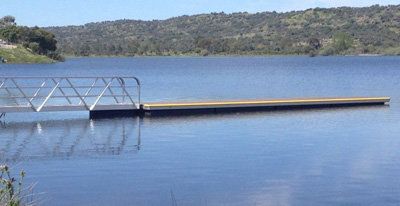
x=392 y=51
x=22 y=55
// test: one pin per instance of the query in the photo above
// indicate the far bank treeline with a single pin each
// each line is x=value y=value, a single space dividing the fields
x=336 y=31
x=34 y=39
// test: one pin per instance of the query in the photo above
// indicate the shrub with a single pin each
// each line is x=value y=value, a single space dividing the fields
x=342 y=42
x=34 y=47
x=55 y=56
x=10 y=187
x=328 y=51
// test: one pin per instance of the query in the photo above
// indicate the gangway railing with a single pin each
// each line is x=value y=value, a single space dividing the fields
x=39 y=94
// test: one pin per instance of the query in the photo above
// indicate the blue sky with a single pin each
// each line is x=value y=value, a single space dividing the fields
x=77 y=12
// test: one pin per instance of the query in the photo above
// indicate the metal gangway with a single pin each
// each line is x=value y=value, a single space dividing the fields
x=45 y=94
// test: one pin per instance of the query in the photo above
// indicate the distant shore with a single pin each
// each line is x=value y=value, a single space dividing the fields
x=229 y=55
x=23 y=56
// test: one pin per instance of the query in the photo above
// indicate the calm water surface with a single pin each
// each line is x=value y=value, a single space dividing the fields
x=347 y=156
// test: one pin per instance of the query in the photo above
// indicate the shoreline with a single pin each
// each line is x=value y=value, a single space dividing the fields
x=49 y=61
x=216 y=56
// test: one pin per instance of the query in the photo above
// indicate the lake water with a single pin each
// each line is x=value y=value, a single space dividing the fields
x=347 y=156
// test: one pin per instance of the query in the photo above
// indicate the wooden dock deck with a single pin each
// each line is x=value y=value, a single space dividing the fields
x=271 y=104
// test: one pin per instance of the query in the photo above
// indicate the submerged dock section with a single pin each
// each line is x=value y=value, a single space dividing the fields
x=107 y=97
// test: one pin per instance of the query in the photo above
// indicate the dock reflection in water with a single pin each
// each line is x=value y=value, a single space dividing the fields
x=68 y=139
x=301 y=157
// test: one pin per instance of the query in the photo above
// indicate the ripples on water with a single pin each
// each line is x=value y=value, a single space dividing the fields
x=346 y=156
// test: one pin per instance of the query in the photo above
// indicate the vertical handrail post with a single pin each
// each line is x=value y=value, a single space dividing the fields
x=139 y=93
x=123 y=86
x=122 y=82
x=138 y=90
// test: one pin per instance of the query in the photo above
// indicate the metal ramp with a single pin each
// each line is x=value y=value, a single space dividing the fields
x=44 y=94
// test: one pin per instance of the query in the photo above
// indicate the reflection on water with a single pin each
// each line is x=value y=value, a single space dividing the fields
x=263 y=158
x=55 y=139
x=68 y=138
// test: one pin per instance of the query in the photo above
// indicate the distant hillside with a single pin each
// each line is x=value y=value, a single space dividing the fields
x=336 y=31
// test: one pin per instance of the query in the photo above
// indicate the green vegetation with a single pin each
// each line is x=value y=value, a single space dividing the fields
x=336 y=31
x=34 y=43
x=341 y=43
x=11 y=189
x=391 y=51
x=23 y=55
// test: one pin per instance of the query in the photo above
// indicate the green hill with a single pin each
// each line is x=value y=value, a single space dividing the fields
x=23 y=55
x=335 y=31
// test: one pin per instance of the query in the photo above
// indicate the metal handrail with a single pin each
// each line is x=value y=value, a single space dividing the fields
x=112 y=88
x=81 y=77
x=58 y=96
x=66 y=87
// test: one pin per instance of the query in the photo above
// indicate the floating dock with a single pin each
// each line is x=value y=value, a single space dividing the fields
x=106 y=97
x=212 y=107
x=254 y=105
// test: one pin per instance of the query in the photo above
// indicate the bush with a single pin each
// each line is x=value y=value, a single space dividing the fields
x=342 y=42
x=34 y=47
x=328 y=51
x=55 y=55
x=10 y=187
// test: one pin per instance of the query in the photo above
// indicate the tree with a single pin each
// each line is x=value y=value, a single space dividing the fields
x=314 y=43
x=10 y=34
x=84 y=50
x=45 y=39
x=203 y=43
x=7 y=21
x=342 y=42
x=34 y=46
